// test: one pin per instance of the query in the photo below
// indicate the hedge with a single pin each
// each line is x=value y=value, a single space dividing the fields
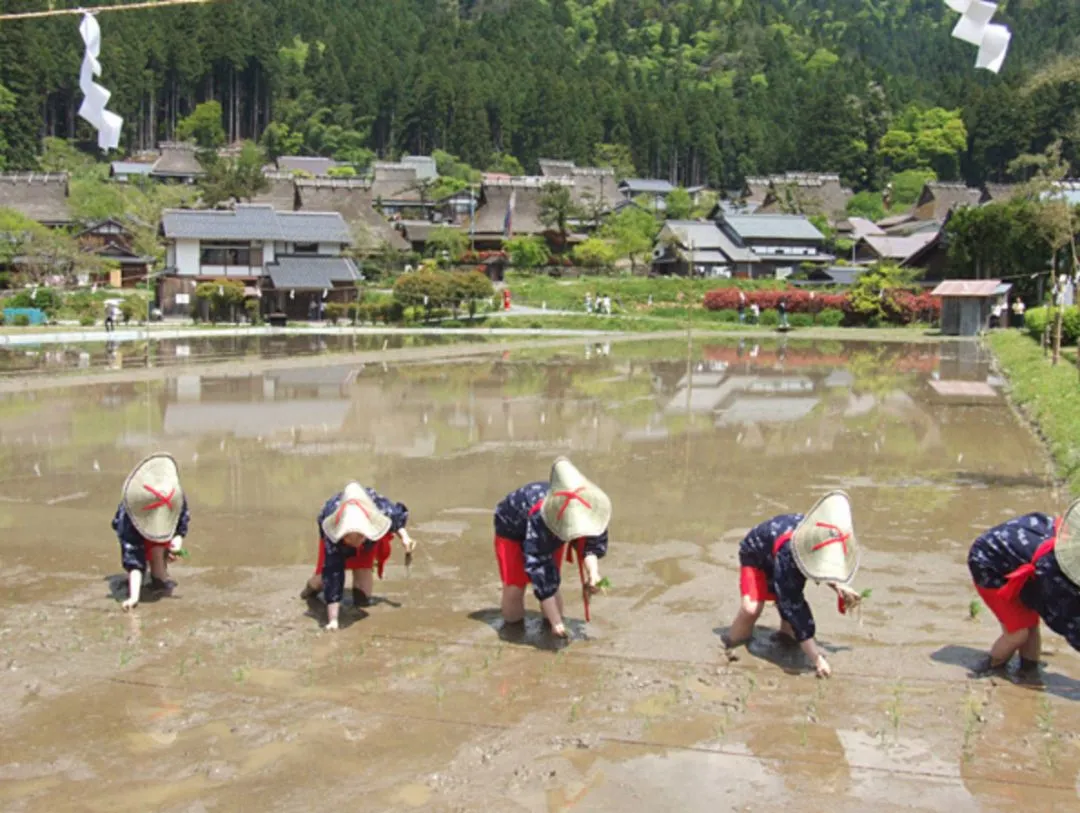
x=1035 y=323
x=899 y=306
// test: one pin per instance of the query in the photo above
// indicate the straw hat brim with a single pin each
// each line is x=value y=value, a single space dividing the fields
x=819 y=554
x=160 y=472
x=358 y=514
x=574 y=506
x=1067 y=546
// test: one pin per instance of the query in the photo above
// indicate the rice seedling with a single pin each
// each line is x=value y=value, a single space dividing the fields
x=974 y=609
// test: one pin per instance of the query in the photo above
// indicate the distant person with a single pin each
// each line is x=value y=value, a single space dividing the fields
x=111 y=314
x=151 y=523
x=1018 y=308
x=534 y=526
x=588 y=302
x=742 y=308
x=356 y=528
x=777 y=558
x=995 y=315
x=313 y=310
x=781 y=306
x=1025 y=570
x=755 y=312
x=607 y=304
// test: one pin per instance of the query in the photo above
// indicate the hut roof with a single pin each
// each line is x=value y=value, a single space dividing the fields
x=967 y=287
x=39 y=196
x=314 y=165
x=281 y=194
x=353 y=200
x=899 y=248
x=807 y=193
x=945 y=197
x=178 y=160
x=394 y=182
x=998 y=192
x=495 y=201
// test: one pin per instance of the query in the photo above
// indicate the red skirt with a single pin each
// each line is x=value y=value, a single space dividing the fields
x=512 y=562
x=365 y=558
x=149 y=546
x=1013 y=614
x=754 y=584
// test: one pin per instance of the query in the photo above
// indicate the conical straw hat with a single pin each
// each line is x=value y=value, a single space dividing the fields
x=824 y=542
x=356 y=513
x=574 y=507
x=1067 y=547
x=153 y=499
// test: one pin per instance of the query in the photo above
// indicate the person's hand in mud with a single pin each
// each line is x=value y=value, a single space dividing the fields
x=552 y=609
x=176 y=549
x=848 y=598
x=592 y=575
x=817 y=658
x=822 y=668
x=407 y=541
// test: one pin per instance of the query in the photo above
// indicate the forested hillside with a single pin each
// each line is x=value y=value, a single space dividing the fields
x=699 y=90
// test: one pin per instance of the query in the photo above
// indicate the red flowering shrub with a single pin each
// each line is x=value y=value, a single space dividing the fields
x=901 y=307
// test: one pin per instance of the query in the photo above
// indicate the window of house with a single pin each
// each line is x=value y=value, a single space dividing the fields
x=225 y=254
x=306 y=248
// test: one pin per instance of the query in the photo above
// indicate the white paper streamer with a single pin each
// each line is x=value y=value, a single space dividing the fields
x=95 y=97
x=994 y=46
x=975 y=27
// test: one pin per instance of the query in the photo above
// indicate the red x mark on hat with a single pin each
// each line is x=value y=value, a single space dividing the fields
x=344 y=505
x=840 y=537
x=570 y=497
x=162 y=499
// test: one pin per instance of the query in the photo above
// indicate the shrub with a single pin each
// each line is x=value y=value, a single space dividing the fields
x=426 y=289
x=470 y=288
x=727 y=315
x=1070 y=325
x=134 y=307
x=336 y=311
x=86 y=320
x=46 y=299
x=770 y=318
x=527 y=251
x=595 y=253
x=1035 y=322
x=22 y=320
x=801 y=320
x=254 y=314
x=830 y=317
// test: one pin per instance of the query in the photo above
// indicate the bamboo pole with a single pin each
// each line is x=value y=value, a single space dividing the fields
x=26 y=15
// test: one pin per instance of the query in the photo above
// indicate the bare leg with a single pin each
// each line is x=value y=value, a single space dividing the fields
x=312 y=588
x=559 y=604
x=742 y=628
x=513 y=604
x=363 y=583
x=158 y=570
x=1005 y=646
x=1031 y=650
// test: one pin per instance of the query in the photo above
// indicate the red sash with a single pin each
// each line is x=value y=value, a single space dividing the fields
x=1015 y=581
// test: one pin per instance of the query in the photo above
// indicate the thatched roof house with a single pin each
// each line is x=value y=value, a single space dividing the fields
x=806 y=193
x=281 y=194
x=594 y=187
x=39 y=196
x=353 y=200
x=939 y=198
x=394 y=185
x=495 y=203
x=178 y=162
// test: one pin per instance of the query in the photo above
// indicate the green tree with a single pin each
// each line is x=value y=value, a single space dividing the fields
x=557 y=209
x=7 y=107
x=453 y=242
x=633 y=232
x=240 y=178
x=277 y=139
x=224 y=299
x=926 y=139
x=866 y=204
x=505 y=164
x=203 y=126
x=616 y=156
x=679 y=204
x=867 y=295
x=527 y=251
x=595 y=253
x=471 y=287
x=59 y=155
x=428 y=288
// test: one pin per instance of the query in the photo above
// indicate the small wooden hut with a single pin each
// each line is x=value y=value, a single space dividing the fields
x=966 y=304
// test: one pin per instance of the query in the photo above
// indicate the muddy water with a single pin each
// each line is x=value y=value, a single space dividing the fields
x=226 y=695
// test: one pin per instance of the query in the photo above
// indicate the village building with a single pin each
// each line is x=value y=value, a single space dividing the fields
x=352 y=199
x=395 y=188
x=653 y=191
x=496 y=220
x=966 y=304
x=933 y=206
x=179 y=163
x=293 y=261
x=838 y=276
x=806 y=193
x=782 y=243
x=700 y=248
x=313 y=165
x=594 y=188
x=39 y=196
x=423 y=165
x=893 y=249
x=128 y=171
x=112 y=240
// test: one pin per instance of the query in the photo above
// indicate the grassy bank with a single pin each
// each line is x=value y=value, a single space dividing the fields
x=627 y=293
x=1047 y=395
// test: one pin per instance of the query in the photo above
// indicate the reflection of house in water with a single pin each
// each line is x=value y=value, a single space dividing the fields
x=964 y=373
x=314 y=400
x=744 y=399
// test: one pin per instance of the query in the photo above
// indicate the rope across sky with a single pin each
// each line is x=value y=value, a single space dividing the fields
x=26 y=15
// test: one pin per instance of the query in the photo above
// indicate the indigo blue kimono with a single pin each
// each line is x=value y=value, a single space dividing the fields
x=785 y=580
x=132 y=545
x=1005 y=547
x=337 y=553
x=516 y=520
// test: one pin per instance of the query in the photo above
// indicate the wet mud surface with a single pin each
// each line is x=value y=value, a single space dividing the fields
x=227 y=696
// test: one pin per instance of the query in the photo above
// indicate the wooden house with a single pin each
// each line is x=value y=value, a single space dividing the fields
x=39 y=196
x=112 y=240
x=178 y=163
x=352 y=199
x=966 y=304
x=806 y=193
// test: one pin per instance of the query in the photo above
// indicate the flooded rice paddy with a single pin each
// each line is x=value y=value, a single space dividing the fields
x=227 y=696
